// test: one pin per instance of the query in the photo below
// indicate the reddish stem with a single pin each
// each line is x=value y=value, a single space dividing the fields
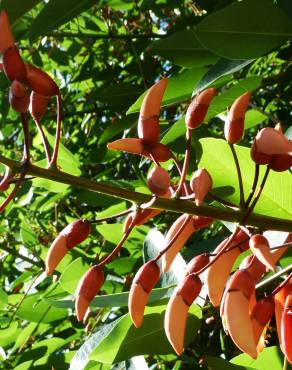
x=44 y=139
x=53 y=162
x=13 y=193
x=186 y=162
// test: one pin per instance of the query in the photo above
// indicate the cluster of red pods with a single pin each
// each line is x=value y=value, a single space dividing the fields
x=240 y=307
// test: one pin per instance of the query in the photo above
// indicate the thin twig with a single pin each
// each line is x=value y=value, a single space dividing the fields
x=25 y=120
x=241 y=191
x=111 y=218
x=254 y=185
x=53 y=162
x=186 y=162
x=44 y=139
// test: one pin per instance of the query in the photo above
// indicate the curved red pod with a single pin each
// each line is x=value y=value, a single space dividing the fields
x=201 y=184
x=198 y=108
x=87 y=289
x=38 y=105
x=7 y=39
x=143 y=282
x=13 y=65
x=69 y=237
x=40 y=82
x=261 y=314
x=281 y=162
x=234 y=124
x=160 y=152
x=286 y=329
x=197 y=263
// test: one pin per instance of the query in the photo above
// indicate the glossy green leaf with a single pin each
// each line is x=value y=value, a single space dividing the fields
x=220 y=364
x=179 y=88
x=184 y=49
x=270 y=358
x=27 y=235
x=72 y=274
x=258 y=25
x=223 y=67
x=9 y=335
x=43 y=312
x=56 y=13
x=217 y=159
x=125 y=341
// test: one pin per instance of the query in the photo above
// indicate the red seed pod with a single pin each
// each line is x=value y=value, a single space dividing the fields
x=160 y=152
x=281 y=162
x=200 y=222
x=260 y=247
x=234 y=125
x=243 y=281
x=14 y=66
x=147 y=276
x=198 y=108
x=68 y=238
x=286 y=329
x=158 y=181
x=257 y=157
x=263 y=310
x=87 y=289
x=76 y=232
x=149 y=130
x=197 y=263
x=189 y=288
x=201 y=184
x=38 y=105
x=40 y=82
x=18 y=97
x=7 y=39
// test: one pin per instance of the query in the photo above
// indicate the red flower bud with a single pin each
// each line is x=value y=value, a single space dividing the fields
x=234 y=125
x=260 y=247
x=7 y=39
x=38 y=105
x=87 y=289
x=201 y=184
x=281 y=162
x=197 y=263
x=286 y=329
x=14 y=66
x=198 y=108
x=158 y=180
x=40 y=82
x=18 y=97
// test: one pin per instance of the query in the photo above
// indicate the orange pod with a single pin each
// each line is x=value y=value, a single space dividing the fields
x=234 y=124
x=237 y=312
x=38 y=105
x=201 y=184
x=286 y=329
x=177 y=245
x=7 y=39
x=198 y=108
x=143 y=282
x=18 y=97
x=177 y=311
x=260 y=247
x=40 y=82
x=217 y=274
x=130 y=145
x=87 y=289
x=13 y=65
x=69 y=237
x=148 y=123
x=280 y=299
x=271 y=141
x=261 y=315
x=158 y=181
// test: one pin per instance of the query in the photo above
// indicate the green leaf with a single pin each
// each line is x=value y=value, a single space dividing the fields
x=17 y=8
x=125 y=341
x=27 y=235
x=184 y=49
x=179 y=88
x=56 y=13
x=72 y=274
x=223 y=67
x=42 y=311
x=258 y=25
x=217 y=159
x=9 y=335
x=270 y=358
x=3 y=299
x=215 y=363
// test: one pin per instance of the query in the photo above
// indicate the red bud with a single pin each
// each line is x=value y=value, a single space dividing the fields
x=18 y=97
x=189 y=288
x=147 y=276
x=158 y=180
x=76 y=232
x=38 y=105
x=14 y=66
x=40 y=82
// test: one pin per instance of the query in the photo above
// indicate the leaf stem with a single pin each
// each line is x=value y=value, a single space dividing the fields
x=241 y=191
x=186 y=162
x=254 y=185
x=53 y=162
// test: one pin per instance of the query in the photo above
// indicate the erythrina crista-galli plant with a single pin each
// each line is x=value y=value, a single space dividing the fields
x=240 y=276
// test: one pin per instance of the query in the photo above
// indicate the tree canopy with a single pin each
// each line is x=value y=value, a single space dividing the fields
x=104 y=56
